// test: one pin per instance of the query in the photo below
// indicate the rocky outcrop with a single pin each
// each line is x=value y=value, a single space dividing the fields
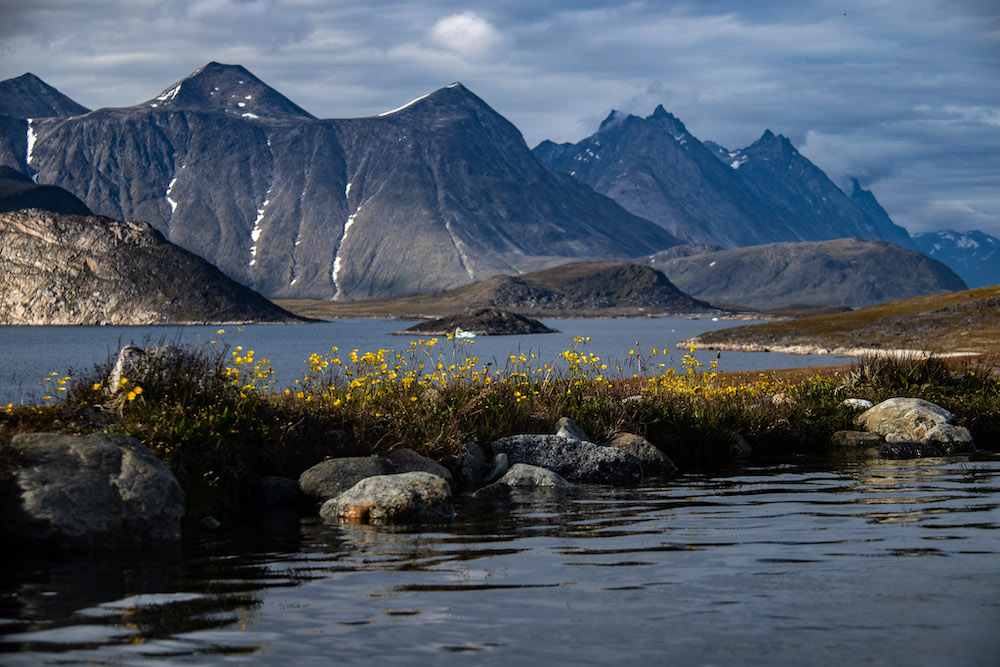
x=913 y=427
x=574 y=460
x=405 y=498
x=480 y=322
x=99 y=492
x=407 y=460
x=71 y=269
x=332 y=477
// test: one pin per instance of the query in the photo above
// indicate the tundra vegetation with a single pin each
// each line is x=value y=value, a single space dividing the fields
x=214 y=415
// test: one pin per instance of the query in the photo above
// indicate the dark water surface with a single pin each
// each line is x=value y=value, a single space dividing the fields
x=28 y=354
x=842 y=563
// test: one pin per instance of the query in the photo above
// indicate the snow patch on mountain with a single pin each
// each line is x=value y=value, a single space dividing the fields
x=338 y=255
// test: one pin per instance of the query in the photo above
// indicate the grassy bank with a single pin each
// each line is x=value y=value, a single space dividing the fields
x=216 y=418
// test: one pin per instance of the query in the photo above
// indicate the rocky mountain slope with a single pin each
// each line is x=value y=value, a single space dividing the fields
x=18 y=192
x=842 y=272
x=958 y=322
x=439 y=193
x=973 y=255
x=704 y=193
x=578 y=289
x=27 y=96
x=71 y=269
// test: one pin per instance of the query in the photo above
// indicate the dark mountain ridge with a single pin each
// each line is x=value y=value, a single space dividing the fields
x=704 y=193
x=841 y=272
x=436 y=194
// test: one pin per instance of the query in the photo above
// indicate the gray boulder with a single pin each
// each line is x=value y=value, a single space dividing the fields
x=567 y=428
x=654 y=462
x=334 y=476
x=407 y=460
x=951 y=440
x=406 y=498
x=572 y=459
x=99 y=492
x=907 y=418
x=498 y=468
x=523 y=475
x=136 y=364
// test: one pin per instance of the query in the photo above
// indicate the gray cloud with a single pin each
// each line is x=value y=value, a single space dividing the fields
x=901 y=93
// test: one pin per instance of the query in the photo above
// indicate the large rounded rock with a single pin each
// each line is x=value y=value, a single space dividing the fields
x=906 y=418
x=406 y=498
x=523 y=475
x=99 y=492
x=914 y=420
x=572 y=459
x=334 y=476
x=407 y=460
x=653 y=461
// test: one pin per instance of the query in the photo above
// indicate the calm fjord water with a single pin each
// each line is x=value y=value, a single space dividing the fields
x=29 y=354
x=887 y=563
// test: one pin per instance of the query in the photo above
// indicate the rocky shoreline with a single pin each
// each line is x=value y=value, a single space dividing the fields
x=804 y=348
x=105 y=492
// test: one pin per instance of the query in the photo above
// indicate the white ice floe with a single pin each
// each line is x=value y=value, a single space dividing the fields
x=241 y=104
x=338 y=255
x=389 y=113
x=253 y=115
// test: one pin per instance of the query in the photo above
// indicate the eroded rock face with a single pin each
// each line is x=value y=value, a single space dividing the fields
x=99 y=492
x=572 y=459
x=405 y=498
x=76 y=269
x=332 y=477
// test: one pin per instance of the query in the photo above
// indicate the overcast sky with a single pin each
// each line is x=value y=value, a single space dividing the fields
x=903 y=94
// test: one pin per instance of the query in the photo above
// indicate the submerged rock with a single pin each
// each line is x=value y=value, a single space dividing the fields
x=572 y=459
x=100 y=492
x=522 y=475
x=856 y=439
x=405 y=498
x=334 y=476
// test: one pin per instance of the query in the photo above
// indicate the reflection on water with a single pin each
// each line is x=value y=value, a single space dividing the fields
x=884 y=562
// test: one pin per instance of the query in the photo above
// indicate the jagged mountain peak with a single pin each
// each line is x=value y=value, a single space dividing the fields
x=27 y=96
x=771 y=146
x=217 y=87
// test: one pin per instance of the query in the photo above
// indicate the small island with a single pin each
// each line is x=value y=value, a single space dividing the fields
x=480 y=322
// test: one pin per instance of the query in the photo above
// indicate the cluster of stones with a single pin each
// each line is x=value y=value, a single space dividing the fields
x=107 y=491
x=905 y=428
x=405 y=487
